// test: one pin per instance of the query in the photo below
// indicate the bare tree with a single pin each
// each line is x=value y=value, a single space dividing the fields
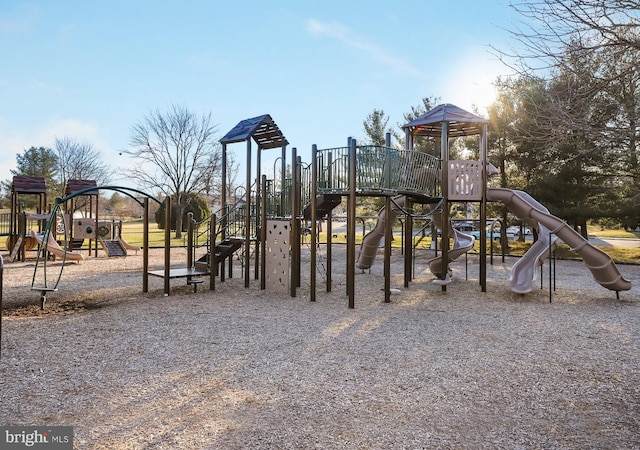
x=551 y=27
x=582 y=51
x=79 y=161
x=177 y=154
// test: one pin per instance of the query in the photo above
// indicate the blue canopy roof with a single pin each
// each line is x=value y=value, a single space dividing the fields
x=262 y=129
x=460 y=122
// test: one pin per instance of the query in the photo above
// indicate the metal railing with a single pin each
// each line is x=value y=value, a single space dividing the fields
x=379 y=169
x=5 y=224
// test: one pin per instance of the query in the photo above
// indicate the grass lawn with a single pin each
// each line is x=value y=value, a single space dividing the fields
x=628 y=255
x=132 y=233
x=619 y=234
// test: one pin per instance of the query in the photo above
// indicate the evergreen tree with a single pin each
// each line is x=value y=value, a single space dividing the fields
x=375 y=127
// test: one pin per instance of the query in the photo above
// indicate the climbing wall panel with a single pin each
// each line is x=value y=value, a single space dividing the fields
x=277 y=259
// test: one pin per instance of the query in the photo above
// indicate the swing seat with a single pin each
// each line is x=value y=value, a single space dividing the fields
x=43 y=294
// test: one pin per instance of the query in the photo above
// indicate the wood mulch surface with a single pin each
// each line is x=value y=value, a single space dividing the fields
x=239 y=368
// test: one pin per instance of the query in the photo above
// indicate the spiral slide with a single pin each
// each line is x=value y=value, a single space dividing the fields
x=371 y=240
x=523 y=273
x=462 y=243
x=55 y=249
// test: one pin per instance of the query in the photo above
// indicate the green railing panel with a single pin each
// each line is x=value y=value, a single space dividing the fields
x=379 y=168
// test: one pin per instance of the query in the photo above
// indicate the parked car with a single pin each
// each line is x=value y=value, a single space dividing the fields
x=495 y=235
x=465 y=226
x=513 y=232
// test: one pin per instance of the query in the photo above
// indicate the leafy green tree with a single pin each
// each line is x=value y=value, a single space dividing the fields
x=37 y=161
x=375 y=127
x=195 y=203
x=34 y=162
x=420 y=143
x=620 y=135
x=586 y=53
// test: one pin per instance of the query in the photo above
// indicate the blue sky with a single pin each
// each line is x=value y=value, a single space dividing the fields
x=90 y=70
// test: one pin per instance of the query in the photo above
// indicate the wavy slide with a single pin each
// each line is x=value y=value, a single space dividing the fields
x=55 y=249
x=371 y=240
x=523 y=273
x=462 y=243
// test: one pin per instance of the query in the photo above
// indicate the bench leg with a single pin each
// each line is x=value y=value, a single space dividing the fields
x=195 y=284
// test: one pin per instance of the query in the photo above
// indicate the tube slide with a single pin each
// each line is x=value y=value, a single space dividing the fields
x=371 y=240
x=55 y=249
x=462 y=243
x=600 y=264
x=524 y=271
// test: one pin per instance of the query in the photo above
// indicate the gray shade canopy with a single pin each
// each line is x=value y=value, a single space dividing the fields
x=460 y=122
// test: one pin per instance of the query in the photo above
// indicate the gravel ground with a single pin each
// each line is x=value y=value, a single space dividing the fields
x=240 y=368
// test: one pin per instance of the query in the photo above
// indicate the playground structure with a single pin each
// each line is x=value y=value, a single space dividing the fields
x=57 y=234
x=56 y=223
x=263 y=224
x=405 y=178
x=268 y=219
x=18 y=237
x=25 y=228
x=102 y=234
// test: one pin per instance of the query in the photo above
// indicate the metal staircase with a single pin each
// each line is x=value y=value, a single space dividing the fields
x=325 y=203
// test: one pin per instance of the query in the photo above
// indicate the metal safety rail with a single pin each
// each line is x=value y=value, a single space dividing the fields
x=379 y=169
x=5 y=224
x=230 y=222
x=279 y=198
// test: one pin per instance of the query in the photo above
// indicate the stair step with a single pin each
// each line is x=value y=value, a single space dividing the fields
x=325 y=203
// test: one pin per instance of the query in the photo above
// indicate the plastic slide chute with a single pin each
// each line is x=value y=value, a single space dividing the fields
x=525 y=271
x=127 y=246
x=52 y=247
x=604 y=270
x=462 y=243
x=371 y=241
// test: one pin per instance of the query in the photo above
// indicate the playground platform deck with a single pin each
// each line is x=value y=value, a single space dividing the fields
x=180 y=273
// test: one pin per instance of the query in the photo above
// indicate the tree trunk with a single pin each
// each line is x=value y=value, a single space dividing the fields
x=179 y=211
x=583 y=228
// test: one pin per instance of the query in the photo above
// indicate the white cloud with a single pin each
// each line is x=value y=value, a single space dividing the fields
x=347 y=37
